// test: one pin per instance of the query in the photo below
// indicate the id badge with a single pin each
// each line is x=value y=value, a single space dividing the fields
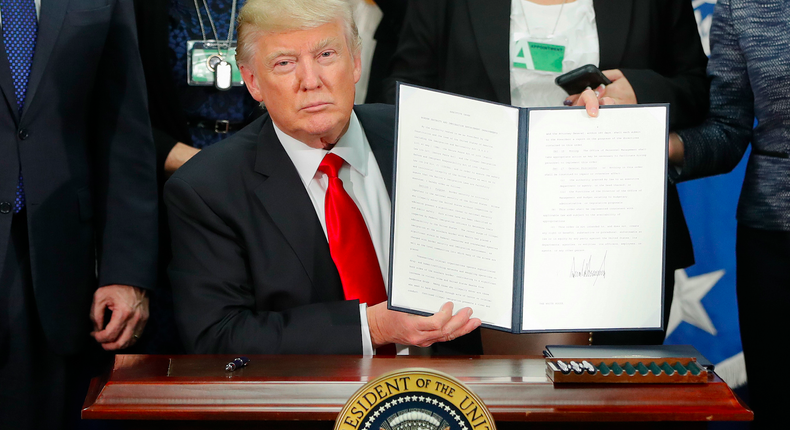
x=538 y=53
x=205 y=65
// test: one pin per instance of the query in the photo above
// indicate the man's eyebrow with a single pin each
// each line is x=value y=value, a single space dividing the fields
x=323 y=44
x=283 y=52
x=318 y=47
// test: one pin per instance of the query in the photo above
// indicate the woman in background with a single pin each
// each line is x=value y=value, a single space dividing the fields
x=650 y=49
x=749 y=69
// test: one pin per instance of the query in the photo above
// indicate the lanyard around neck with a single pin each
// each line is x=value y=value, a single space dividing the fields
x=214 y=28
x=526 y=19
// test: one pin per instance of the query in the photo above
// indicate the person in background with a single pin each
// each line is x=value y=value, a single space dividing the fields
x=650 y=50
x=178 y=40
x=378 y=23
x=749 y=68
x=78 y=231
x=386 y=38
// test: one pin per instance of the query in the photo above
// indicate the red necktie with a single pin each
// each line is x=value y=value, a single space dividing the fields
x=350 y=244
x=349 y=240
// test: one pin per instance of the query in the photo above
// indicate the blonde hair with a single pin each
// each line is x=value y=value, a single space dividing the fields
x=275 y=16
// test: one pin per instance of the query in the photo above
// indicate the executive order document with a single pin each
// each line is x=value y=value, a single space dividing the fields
x=540 y=219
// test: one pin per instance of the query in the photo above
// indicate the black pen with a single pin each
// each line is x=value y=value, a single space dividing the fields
x=237 y=363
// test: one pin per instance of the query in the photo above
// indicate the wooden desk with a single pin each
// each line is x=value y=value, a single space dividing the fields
x=309 y=391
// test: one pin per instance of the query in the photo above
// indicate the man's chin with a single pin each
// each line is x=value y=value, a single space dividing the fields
x=327 y=127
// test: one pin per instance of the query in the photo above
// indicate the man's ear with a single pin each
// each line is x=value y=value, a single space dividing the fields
x=357 y=66
x=248 y=75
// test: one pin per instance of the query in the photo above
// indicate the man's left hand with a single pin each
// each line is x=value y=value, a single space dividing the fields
x=129 y=306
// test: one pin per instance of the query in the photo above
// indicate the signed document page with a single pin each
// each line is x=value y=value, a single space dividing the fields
x=455 y=204
x=595 y=219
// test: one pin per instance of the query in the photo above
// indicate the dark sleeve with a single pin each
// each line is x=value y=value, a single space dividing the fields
x=417 y=59
x=386 y=36
x=167 y=120
x=215 y=301
x=125 y=160
x=680 y=78
x=720 y=142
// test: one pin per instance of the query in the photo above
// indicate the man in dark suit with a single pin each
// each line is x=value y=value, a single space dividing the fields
x=650 y=49
x=77 y=199
x=272 y=253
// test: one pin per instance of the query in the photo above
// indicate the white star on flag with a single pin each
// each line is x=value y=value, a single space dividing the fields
x=687 y=301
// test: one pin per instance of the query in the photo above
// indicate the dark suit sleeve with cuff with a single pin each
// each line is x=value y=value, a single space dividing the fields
x=718 y=146
x=218 y=309
x=125 y=178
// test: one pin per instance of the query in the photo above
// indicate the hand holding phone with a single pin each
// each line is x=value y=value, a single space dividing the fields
x=577 y=80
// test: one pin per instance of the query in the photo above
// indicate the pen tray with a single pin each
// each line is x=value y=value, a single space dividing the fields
x=630 y=371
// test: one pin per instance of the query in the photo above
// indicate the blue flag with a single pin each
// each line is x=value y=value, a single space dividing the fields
x=704 y=311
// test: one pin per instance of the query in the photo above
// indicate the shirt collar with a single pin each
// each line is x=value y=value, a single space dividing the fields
x=352 y=147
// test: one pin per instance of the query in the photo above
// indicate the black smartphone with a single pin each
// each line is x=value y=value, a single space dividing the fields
x=577 y=80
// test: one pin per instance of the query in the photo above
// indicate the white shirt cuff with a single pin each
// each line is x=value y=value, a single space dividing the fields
x=367 y=343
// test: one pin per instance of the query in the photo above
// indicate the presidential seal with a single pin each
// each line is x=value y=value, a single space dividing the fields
x=414 y=399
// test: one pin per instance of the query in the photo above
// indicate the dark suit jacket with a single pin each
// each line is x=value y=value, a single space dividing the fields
x=84 y=145
x=461 y=46
x=251 y=269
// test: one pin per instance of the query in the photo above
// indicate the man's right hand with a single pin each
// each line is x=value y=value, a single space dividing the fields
x=388 y=326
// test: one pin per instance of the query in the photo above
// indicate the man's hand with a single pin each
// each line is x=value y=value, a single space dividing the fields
x=180 y=154
x=388 y=326
x=129 y=306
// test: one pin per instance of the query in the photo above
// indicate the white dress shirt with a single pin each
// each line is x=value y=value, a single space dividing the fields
x=577 y=30
x=362 y=181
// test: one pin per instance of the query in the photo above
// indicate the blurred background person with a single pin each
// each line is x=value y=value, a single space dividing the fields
x=368 y=17
x=650 y=50
x=378 y=45
x=181 y=44
x=749 y=69
x=77 y=203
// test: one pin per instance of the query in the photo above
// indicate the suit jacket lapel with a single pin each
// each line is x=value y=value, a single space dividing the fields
x=613 y=19
x=491 y=28
x=7 y=82
x=283 y=195
x=50 y=21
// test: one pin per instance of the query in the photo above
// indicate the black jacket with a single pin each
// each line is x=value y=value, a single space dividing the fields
x=461 y=46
